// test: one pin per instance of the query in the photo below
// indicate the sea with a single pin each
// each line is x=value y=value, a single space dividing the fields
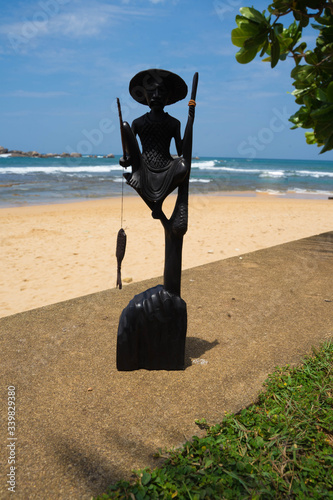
x=32 y=181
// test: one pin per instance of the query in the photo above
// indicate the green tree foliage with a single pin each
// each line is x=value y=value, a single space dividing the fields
x=312 y=75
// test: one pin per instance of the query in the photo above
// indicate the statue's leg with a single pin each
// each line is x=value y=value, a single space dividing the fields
x=132 y=148
x=179 y=217
x=178 y=173
x=181 y=171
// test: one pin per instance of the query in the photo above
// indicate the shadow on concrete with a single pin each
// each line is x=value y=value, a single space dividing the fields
x=84 y=465
x=196 y=347
x=320 y=244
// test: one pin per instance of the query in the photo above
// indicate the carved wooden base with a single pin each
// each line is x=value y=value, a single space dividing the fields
x=152 y=332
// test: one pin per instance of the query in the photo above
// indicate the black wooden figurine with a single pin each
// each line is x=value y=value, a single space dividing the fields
x=152 y=328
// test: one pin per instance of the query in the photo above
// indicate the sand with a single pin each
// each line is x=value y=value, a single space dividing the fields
x=52 y=253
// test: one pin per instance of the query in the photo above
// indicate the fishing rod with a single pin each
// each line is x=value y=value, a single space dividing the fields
x=121 y=129
x=121 y=236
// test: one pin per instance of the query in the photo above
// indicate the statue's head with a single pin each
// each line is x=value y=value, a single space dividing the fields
x=156 y=94
x=157 y=88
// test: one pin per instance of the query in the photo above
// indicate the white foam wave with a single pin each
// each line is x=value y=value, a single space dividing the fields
x=226 y=169
x=5 y=155
x=241 y=170
x=298 y=191
x=61 y=169
x=271 y=192
x=204 y=181
x=310 y=191
x=311 y=173
x=273 y=173
x=204 y=164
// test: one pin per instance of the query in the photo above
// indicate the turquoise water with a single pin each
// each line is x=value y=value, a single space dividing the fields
x=31 y=181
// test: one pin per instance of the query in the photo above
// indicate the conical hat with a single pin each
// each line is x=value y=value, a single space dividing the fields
x=175 y=84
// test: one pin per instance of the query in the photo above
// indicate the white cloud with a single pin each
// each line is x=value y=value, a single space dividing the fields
x=74 y=24
x=80 y=24
x=81 y=21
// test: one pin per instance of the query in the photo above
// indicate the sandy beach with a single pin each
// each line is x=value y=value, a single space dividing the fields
x=51 y=253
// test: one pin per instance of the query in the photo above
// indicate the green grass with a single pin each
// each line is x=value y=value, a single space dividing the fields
x=280 y=447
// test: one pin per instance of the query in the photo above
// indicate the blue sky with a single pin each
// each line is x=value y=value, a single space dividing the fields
x=64 y=62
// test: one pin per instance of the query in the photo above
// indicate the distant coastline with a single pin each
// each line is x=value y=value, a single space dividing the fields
x=35 y=154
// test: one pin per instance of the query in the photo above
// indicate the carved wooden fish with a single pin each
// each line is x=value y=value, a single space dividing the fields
x=120 y=252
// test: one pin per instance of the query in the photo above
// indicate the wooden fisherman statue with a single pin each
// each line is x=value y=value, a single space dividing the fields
x=155 y=174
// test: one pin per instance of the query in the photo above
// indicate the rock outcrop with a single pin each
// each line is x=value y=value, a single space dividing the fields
x=35 y=154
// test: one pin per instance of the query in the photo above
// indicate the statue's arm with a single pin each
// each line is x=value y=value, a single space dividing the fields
x=134 y=127
x=178 y=139
x=128 y=161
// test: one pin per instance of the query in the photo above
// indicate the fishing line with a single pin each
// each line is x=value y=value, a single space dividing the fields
x=121 y=240
x=122 y=200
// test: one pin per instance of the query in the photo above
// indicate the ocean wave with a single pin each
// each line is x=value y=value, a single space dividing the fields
x=271 y=192
x=273 y=173
x=204 y=181
x=64 y=170
x=232 y=168
x=85 y=177
x=293 y=173
x=310 y=191
x=298 y=191
x=311 y=173
x=205 y=166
